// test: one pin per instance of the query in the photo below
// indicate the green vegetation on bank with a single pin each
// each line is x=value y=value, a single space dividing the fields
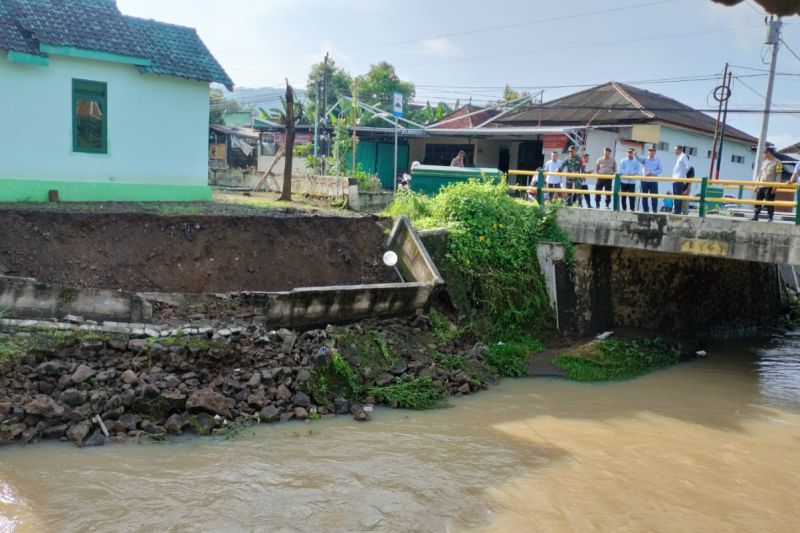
x=618 y=359
x=418 y=394
x=491 y=254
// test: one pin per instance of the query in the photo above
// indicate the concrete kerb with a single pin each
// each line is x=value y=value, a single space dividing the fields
x=25 y=298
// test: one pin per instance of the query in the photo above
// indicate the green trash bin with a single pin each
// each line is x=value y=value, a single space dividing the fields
x=429 y=179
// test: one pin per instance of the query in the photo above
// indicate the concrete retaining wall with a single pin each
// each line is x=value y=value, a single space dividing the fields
x=302 y=307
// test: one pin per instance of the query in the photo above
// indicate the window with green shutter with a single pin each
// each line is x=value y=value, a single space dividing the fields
x=89 y=117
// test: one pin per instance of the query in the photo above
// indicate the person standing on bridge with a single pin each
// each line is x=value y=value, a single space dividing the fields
x=652 y=167
x=587 y=169
x=605 y=166
x=553 y=182
x=629 y=166
x=459 y=160
x=770 y=172
x=573 y=164
x=682 y=167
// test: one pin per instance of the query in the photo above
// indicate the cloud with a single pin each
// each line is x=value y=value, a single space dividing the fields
x=439 y=47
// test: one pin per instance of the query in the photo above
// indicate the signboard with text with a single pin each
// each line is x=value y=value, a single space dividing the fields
x=397 y=105
x=554 y=141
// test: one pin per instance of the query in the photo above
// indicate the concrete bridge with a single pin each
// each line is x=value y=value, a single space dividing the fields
x=745 y=240
x=707 y=277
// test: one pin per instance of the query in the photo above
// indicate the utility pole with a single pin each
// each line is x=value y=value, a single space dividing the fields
x=724 y=124
x=774 y=40
x=354 y=123
x=316 y=127
x=720 y=95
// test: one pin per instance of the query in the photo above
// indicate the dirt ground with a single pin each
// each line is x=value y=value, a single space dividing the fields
x=135 y=251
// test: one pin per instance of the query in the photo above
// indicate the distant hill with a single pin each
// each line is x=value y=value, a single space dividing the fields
x=264 y=97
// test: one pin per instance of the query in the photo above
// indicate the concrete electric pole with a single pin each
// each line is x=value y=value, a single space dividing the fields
x=774 y=40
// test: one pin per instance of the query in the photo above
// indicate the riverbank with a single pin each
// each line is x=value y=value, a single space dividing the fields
x=92 y=388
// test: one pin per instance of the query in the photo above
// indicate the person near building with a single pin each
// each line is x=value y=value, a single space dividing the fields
x=552 y=182
x=680 y=170
x=459 y=160
x=770 y=172
x=652 y=167
x=573 y=164
x=605 y=166
x=587 y=169
x=629 y=166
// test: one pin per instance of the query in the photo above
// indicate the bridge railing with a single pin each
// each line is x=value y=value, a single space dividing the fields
x=539 y=188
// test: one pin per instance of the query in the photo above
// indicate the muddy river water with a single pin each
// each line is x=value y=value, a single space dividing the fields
x=710 y=445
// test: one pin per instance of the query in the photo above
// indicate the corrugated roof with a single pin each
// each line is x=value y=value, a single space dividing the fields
x=616 y=102
x=458 y=119
x=98 y=25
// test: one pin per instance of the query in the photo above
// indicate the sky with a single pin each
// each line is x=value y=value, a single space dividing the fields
x=469 y=49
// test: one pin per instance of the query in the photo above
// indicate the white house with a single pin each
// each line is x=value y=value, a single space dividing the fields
x=611 y=115
x=101 y=106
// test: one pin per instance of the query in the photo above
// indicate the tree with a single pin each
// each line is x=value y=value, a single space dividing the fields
x=377 y=86
x=290 y=119
x=339 y=82
x=776 y=7
x=509 y=94
x=219 y=106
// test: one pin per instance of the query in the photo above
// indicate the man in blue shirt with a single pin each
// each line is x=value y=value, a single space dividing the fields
x=629 y=166
x=652 y=167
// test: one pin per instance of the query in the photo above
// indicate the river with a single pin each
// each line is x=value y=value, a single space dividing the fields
x=709 y=445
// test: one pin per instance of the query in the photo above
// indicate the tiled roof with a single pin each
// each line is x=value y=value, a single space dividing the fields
x=458 y=119
x=98 y=25
x=618 y=103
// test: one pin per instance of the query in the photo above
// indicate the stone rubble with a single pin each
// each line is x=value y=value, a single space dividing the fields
x=194 y=379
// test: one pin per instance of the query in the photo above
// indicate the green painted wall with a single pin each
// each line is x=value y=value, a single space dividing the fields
x=22 y=190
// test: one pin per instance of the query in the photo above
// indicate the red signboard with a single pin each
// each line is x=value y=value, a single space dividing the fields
x=555 y=142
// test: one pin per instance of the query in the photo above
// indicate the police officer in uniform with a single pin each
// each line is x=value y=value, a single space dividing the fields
x=770 y=172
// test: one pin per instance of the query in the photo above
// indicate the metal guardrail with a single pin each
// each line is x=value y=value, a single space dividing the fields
x=540 y=186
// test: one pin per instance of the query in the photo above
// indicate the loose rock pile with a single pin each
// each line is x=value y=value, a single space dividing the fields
x=92 y=391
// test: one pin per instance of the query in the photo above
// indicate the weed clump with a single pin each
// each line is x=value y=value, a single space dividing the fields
x=511 y=359
x=617 y=359
x=418 y=394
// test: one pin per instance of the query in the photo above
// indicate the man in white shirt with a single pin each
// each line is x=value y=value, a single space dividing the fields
x=682 y=167
x=553 y=182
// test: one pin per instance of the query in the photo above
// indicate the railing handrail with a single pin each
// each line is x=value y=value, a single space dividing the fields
x=541 y=187
x=745 y=183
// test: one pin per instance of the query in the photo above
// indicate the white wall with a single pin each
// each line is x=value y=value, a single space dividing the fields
x=157 y=125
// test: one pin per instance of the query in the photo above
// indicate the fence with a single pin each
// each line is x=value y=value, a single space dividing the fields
x=705 y=199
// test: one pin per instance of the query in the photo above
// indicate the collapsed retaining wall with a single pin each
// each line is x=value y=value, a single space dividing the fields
x=297 y=307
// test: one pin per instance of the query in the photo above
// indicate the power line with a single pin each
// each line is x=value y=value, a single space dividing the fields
x=586 y=45
x=784 y=109
x=790 y=49
x=474 y=31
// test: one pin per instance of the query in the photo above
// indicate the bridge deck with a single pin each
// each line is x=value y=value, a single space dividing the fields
x=711 y=236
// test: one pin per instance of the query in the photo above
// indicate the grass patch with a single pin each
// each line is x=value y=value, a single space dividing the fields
x=336 y=379
x=617 y=359
x=442 y=330
x=511 y=359
x=417 y=394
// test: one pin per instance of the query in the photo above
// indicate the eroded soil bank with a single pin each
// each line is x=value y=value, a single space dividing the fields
x=193 y=254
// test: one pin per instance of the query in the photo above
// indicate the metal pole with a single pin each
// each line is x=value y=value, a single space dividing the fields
x=617 y=187
x=353 y=121
x=721 y=99
x=316 y=128
x=724 y=125
x=703 y=193
x=395 y=153
x=773 y=39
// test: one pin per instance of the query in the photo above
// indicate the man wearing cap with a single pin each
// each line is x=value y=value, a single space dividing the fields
x=770 y=172
x=652 y=167
x=573 y=164
x=605 y=166
x=629 y=166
